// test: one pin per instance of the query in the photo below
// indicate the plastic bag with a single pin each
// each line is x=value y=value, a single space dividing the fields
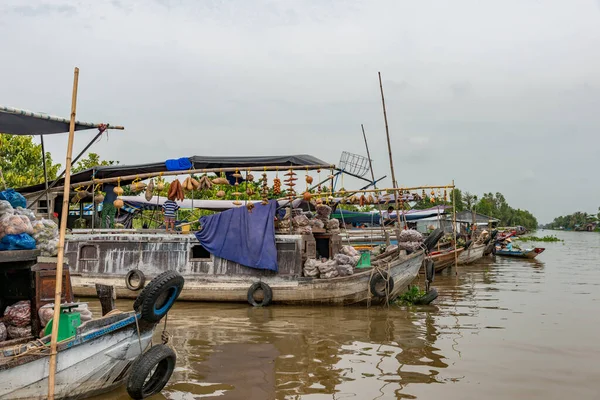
x=409 y=246
x=15 y=225
x=19 y=314
x=311 y=268
x=17 y=242
x=46 y=313
x=410 y=235
x=323 y=211
x=17 y=332
x=301 y=220
x=316 y=223
x=14 y=198
x=3 y=332
x=303 y=230
x=25 y=212
x=45 y=233
x=328 y=269
x=5 y=208
x=333 y=224
x=342 y=259
x=349 y=251
x=345 y=270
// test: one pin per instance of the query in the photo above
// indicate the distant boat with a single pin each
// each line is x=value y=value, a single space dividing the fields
x=473 y=253
x=527 y=253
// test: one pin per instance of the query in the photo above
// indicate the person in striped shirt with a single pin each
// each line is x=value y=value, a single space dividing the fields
x=169 y=208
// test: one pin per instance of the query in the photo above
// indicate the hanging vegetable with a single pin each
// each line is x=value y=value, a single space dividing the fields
x=160 y=184
x=264 y=190
x=149 y=190
x=291 y=178
x=204 y=183
x=277 y=184
x=237 y=194
x=98 y=198
x=118 y=190
x=137 y=185
x=118 y=203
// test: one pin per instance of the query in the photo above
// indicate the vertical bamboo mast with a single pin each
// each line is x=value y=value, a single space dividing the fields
x=387 y=133
x=373 y=178
x=61 y=241
x=454 y=225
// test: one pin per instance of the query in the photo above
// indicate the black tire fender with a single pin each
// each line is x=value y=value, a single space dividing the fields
x=157 y=298
x=267 y=294
x=429 y=269
x=151 y=371
x=378 y=278
x=135 y=274
x=433 y=238
x=428 y=297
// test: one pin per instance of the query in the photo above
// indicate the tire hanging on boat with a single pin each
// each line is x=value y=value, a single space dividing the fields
x=157 y=298
x=381 y=278
x=267 y=294
x=135 y=274
x=151 y=371
x=433 y=238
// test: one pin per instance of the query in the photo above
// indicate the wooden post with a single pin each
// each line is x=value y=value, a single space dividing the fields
x=106 y=294
x=61 y=240
x=454 y=226
x=387 y=133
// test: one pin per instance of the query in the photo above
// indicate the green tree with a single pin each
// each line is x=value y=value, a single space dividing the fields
x=91 y=161
x=21 y=161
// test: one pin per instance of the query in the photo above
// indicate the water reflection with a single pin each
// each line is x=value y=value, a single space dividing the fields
x=501 y=328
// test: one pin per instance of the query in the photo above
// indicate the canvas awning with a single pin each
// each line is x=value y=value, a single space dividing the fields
x=22 y=122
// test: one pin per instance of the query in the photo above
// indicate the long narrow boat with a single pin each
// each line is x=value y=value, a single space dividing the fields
x=527 y=253
x=443 y=260
x=108 y=258
x=472 y=254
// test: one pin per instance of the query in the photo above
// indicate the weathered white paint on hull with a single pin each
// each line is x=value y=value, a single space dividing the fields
x=472 y=254
x=96 y=366
x=336 y=291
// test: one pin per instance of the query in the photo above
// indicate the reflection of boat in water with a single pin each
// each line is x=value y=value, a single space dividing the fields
x=291 y=352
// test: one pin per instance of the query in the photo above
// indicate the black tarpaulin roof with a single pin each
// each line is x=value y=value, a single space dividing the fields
x=198 y=162
x=21 y=122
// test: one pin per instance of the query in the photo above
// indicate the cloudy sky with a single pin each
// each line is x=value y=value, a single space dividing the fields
x=497 y=95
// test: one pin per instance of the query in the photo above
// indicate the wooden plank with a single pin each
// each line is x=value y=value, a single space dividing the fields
x=18 y=255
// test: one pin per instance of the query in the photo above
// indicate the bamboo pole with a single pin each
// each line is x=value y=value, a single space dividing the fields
x=454 y=226
x=61 y=241
x=387 y=133
x=372 y=176
x=191 y=171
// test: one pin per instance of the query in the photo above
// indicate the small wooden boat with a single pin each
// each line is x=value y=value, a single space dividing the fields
x=527 y=253
x=472 y=254
x=445 y=259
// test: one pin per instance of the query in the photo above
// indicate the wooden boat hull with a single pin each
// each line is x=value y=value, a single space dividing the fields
x=83 y=370
x=472 y=254
x=529 y=253
x=352 y=289
x=106 y=259
x=444 y=260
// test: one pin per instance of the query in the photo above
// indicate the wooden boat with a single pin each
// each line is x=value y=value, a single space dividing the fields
x=96 y=359
x=443 y=260
x=527 y=253
x=472 y=254
x=107 y=258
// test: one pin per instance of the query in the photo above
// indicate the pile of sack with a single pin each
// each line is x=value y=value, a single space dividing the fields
x=342 y=264
x=46 y=313
x=301 y=225
x=410 y=240
x=16 y=322
x=20 y=230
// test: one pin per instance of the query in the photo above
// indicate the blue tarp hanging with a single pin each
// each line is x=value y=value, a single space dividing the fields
x=242 y=236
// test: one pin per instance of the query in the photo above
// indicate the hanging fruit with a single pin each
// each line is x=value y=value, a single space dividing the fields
x=307 y=196
x=250 y=178
x=220 y=194
x=98 y=198
x=149 y=190
x=291 y=177
x=118 y=190
x=160 y=184
x=309 y=179
x=118 y=203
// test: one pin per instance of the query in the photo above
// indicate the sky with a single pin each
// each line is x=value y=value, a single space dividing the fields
x=499 y=96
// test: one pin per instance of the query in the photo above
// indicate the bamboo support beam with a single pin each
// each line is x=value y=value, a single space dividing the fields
x=61 y=242
x=195 y=171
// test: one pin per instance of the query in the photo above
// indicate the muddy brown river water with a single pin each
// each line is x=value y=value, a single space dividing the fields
x=502 y=329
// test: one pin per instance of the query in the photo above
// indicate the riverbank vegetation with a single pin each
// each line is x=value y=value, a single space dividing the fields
x=578 y=221
x=492 y=205
x=547 y=238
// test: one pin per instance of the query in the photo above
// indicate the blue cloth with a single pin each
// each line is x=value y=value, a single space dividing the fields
x=242 y=236
x=15 y=199
x=17 y=242
x=509 y=247
x=179 y=164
